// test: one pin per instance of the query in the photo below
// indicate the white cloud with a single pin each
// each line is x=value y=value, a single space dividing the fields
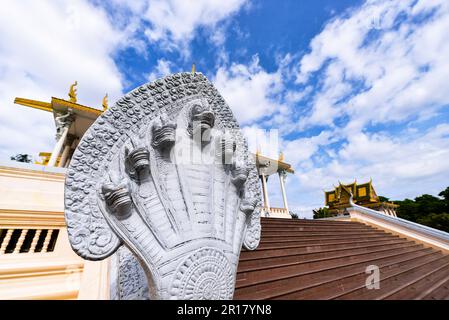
x=175 y=22
x=383 y=62
x=300 y=150
x=400 y=64
x=249 y=90
x=375 y=64
x=264 y=141
x=400 y=166
x=408 y=159
x=163 y=68
x=45 y=47
x=171 y=25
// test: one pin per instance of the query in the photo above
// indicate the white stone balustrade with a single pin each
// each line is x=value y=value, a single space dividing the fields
x=36 y=260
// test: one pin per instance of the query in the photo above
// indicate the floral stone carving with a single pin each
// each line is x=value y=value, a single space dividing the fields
x=166 y=172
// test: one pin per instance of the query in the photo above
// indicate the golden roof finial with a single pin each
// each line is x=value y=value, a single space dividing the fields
x=72 y=92
x=105 y=102
x=193 y=68
x=281 y=156
x=258 y=150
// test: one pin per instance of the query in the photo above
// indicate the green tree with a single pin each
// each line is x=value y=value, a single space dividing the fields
x=21 y=157
x=321 y=213
x=427 y=210
x=408 y=209
x=294 y=215
x=429 y=204
x=436 y=220
x=445 y=195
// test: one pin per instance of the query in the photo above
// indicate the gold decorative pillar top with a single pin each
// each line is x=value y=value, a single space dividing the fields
x=105 y=102
x=72 y=92
x=281 y=156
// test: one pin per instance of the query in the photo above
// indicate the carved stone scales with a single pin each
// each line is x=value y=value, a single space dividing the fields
x=166 y=173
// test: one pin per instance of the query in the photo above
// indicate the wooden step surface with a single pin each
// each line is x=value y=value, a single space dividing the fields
x=322 y=259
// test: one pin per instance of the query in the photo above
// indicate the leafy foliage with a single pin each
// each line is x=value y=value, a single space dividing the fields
x=445 y=195
x=427 y=210
x=321 y=213
x=21 y=157
x=294 y=215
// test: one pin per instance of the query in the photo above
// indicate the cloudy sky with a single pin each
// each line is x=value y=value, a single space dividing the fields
x=356 y=89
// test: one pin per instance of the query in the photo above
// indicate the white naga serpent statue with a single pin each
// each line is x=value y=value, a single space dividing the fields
x=166 y=172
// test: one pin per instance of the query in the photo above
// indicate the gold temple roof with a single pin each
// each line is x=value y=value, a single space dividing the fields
x=273 y=164
x=54 y=104
x=363 y=194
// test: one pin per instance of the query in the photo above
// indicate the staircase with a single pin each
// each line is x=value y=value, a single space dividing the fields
x=322 y=259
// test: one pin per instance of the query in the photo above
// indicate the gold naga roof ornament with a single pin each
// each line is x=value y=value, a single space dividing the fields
x=281 y=156
x=105 y=102
x=72 y=92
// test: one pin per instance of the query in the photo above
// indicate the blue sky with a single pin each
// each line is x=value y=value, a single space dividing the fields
x=269 y=29
x=356 y=89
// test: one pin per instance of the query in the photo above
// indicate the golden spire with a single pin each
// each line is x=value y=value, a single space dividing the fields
x=281 y=156
x=72 y=92
x=105 y=102
x=193 y=68
x=258 y=150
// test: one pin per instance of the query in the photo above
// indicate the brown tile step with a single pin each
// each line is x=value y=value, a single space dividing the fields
x=303 y=221
x=266 y=274
x=342 y=283
x=416 y=287
x=286 y=234
x=267 y=288
x=439 y=291
x=288 y=242
x=392 y=283
x=274 y=243
x=307 y=221
x=317 y=225
x=313 y=242
x=314 y=228
x=311 y=223
x=272 y=257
